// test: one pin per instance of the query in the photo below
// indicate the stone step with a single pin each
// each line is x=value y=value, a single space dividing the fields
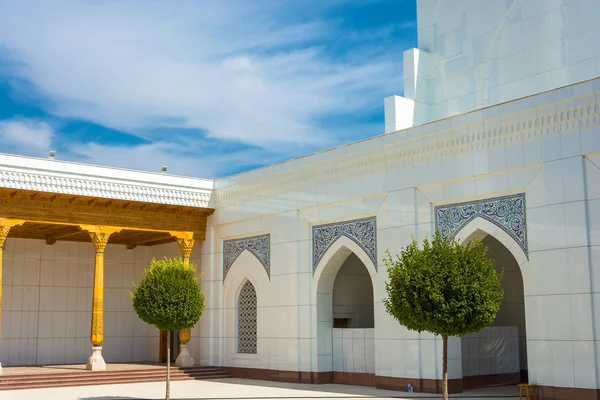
x=99 y=374
x=36 y=385
x=49 y=380
x=84 y=377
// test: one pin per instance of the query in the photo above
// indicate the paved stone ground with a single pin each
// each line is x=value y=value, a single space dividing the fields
x=236 y=389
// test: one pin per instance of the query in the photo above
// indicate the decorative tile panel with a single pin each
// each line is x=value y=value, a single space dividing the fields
x=507 y=212
x=362 y=231
x=260 y=246
x=247 y=319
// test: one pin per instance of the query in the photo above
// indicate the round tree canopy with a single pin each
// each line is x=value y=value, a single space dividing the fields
x=169 y=295
x=444 y=288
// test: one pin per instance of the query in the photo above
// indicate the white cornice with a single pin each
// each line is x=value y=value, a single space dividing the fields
x=27 y=173
x=403 y=150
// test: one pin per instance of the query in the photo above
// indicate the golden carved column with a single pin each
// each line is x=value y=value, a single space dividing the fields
x=185 y=240
x=99 y=235
x=5 y=225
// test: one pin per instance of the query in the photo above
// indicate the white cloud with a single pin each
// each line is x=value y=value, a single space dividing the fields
x=28 y=137
x=151 y=157
x=241 y=71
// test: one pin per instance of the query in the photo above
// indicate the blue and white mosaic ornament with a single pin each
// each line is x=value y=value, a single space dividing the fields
x=260 y=246
x=362 y=231
x=507 y=212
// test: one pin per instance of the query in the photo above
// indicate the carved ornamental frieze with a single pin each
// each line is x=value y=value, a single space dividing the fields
x=26 y=180
x=482 y=136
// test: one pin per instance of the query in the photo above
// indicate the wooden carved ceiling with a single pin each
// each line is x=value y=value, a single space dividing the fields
x=53 y=217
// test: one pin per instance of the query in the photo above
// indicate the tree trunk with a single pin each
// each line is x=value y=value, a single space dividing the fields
x=168 y=394
x=445 y=367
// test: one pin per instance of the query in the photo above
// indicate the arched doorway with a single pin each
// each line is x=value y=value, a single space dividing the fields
x=353 y=306
x=345 y=314
x=498 y=354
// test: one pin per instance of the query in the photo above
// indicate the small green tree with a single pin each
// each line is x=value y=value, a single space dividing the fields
x=169 y=297
x=445 y=288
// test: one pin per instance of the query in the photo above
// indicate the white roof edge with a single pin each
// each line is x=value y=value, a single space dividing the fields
x=28 y=173
x=100 y=171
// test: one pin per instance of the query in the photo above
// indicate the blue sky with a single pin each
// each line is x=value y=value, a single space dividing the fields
x=209 y=88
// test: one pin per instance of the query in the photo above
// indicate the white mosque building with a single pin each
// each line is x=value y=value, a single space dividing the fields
x=497 y=136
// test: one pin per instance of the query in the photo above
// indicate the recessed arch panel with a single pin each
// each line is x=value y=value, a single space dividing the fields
x=322 y=291
x=332 y=261
x=246 y=270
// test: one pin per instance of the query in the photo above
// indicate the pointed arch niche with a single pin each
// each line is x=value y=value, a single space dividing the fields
x=498 y=354
x=343 y=287
x=245 y=272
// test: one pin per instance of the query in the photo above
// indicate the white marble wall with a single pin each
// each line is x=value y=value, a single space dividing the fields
x=493 y=350
x=544 y=146
x=47 y=294
x=284 y=339
x=559 y=276
x=476 y=53
x=354 y=350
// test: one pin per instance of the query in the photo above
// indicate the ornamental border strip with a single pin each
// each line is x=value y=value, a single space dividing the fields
x=232 y=248
x=452 y=231
x=318 y=253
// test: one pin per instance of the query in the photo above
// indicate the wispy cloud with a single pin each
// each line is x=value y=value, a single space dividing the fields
x=27 y=137
x=258 y=73
x=151 y=157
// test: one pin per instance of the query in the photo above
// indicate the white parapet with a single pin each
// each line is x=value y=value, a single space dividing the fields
x=417 y=75
x=399 y=113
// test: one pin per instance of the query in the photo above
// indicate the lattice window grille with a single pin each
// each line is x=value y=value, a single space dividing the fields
x=247 y=326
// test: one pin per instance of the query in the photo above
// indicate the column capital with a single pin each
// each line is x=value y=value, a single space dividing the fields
x=100 y=235
x=183 y=235
x=5 y=225
x=186 y=241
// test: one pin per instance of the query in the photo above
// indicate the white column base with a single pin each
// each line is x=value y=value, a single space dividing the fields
x=184 y=359
x=0 y=368
x=96 y=361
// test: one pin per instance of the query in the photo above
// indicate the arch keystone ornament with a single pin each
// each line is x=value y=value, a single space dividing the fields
x=506 y=212
x=362 y=231
x=259 y=245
